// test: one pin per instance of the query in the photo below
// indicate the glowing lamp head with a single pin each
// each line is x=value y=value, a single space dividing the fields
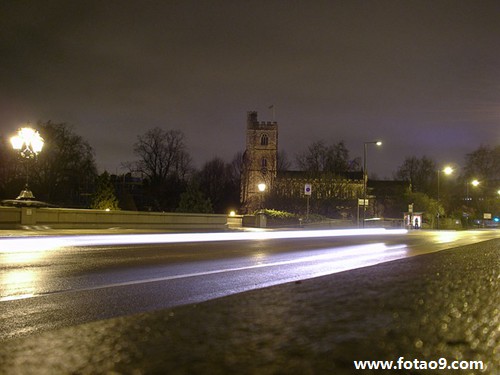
x=378 y=143
x=475 y=183
x=37 y=144
x=17 y=142
x=28 y=141
x=261 y=187
x=448 y=170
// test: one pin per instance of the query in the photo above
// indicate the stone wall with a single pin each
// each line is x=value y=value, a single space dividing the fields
x=61 y=218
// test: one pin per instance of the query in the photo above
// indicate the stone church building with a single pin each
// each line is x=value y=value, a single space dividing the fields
x=264 y=185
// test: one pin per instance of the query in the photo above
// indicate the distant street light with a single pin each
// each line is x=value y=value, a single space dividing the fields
x=365 y=175
x=474 y=183
x=29 y=144
x=447 y=171
x=468 y=198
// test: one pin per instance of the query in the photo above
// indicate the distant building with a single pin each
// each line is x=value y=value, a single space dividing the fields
x=260 y=161
x=332 y=194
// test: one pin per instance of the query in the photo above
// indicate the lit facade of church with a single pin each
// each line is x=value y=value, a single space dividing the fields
x=334 y=195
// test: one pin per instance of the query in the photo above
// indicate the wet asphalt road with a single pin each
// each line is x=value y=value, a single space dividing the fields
x=53 y=282
x=437 y=305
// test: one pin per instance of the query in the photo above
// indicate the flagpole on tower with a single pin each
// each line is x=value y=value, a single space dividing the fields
x=271 y=107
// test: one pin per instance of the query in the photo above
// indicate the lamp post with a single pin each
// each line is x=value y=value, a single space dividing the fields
x=29 y=144
x=447 y=171
x=365 y=175
x=474 y=183
x=262 y=188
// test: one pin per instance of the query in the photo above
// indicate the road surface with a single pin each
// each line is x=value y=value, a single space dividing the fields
x=53 y=282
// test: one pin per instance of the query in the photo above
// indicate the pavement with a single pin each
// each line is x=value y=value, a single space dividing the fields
x=428 y=307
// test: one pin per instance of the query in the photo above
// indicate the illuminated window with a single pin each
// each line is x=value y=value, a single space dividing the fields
x=264 y=140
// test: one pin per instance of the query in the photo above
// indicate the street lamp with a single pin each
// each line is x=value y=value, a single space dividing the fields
x=468 y=199
x=262 y=188
x=474 y=183
x=29 y=144
x=447 y=171
x=365 y=175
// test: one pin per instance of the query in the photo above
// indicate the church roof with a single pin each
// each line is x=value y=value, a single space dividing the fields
x=358 y=175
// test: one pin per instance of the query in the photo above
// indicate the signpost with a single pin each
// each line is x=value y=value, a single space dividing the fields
x=307 y=193
x=362 y=202
x=410 y=212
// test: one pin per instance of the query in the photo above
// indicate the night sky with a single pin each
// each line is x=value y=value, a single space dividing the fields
x=422 y=76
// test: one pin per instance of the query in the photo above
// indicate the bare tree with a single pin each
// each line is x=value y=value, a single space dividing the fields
x=165 y=162
x=421 y=173
x=237 y=167
x=213 y=178
x=283 y=163
x=163 y=154
x=220 y=182
x=320 y=157
x=483 y=163
x=314 y=159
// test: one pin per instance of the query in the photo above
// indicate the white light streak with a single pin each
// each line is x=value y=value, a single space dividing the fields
x=52 y=242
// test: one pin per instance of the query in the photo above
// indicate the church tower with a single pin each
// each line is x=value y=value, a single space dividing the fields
x=259 y=162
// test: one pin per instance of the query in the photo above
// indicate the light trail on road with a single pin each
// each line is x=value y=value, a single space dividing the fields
x=48 y=282
x=18 y=283
x=51 y=242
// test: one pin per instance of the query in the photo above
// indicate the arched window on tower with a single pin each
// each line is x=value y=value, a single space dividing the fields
x=264 y=140
x=263 y=163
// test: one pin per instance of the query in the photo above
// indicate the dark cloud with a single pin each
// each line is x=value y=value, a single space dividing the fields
x=421 y=75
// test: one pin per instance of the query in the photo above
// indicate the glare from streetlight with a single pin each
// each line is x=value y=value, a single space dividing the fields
x=28 y=141
x=262 y=187
x=378 y=143
x=475 y=182
x=17 y=142
x=448 y=170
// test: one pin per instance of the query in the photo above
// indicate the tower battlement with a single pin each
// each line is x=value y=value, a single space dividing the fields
x=254 y=123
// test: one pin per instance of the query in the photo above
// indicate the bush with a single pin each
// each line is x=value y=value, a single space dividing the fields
x=280 y=218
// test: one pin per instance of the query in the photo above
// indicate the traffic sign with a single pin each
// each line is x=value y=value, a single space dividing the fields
x=362 y=202
x=307 y=189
